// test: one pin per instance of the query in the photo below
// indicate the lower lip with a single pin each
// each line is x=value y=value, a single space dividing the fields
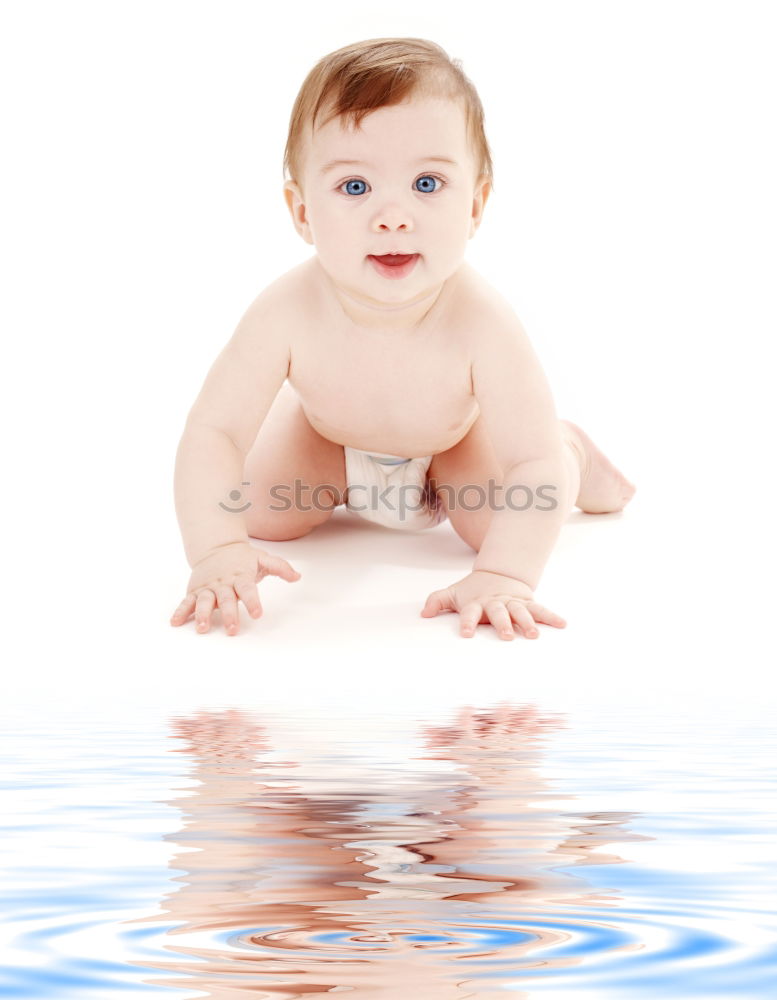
x=394 y=270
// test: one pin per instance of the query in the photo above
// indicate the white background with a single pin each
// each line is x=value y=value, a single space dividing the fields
x=632 y=226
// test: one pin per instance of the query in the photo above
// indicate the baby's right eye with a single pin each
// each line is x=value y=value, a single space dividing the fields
x=348 y=185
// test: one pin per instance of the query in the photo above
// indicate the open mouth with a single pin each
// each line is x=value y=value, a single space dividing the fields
x=393 y=265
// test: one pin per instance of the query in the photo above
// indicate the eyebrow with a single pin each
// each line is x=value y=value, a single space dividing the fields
x=360 y=163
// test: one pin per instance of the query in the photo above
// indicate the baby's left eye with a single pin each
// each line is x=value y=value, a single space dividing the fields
x=427 y=182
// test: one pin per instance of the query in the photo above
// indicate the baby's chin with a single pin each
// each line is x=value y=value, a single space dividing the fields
x=388 y=294
x=363 y=286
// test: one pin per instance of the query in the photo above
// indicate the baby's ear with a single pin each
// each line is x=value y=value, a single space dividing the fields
x=295 y=199
x=482 y=191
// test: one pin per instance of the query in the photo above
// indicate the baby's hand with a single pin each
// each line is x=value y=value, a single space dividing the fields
x=224 y=575
x=483 y=596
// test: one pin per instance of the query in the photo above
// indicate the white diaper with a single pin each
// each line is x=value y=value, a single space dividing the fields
x=391 y=490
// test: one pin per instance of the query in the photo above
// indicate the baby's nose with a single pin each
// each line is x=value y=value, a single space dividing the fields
x=393 y=217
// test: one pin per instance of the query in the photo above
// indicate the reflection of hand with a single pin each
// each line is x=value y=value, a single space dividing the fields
x=214 y=735
x=482 y=596
x=493 y=834
x=495 y=729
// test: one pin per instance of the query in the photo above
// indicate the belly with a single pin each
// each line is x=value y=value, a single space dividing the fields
x=397 y=395
x=413 y=431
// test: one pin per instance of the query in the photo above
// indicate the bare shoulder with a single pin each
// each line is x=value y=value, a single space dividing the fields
x=502 y=355
x=481 y=308
x=296 y=285
x=282 y=306
x=247 y=375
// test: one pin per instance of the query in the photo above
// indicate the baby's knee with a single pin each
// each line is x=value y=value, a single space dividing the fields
x=278 y=532
x=274 y=527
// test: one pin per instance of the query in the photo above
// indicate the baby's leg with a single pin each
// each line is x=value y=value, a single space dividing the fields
x=289 y=450
x=590 y=480
x=603 y=488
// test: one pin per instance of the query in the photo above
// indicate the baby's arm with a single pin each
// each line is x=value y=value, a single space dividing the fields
x=519 y=416
x=220 y=429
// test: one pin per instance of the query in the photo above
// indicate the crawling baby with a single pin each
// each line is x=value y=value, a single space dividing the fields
x=384 y=373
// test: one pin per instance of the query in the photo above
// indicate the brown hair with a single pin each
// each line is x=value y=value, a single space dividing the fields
x=378 y=73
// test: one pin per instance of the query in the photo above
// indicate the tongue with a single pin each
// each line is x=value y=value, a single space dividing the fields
x=394 y=260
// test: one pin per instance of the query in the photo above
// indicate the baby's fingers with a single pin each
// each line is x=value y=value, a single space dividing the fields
x=206 y=601
x=546 y=616
x=523 y=619
x=248 y=593
x=277 y=567
x=469 y=617
x=184 y=610
x=499 y=617
x=228 y=607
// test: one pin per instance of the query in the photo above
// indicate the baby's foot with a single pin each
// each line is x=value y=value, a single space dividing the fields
x=603 y=488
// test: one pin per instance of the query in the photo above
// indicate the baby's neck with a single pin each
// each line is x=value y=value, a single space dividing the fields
x=370 y=316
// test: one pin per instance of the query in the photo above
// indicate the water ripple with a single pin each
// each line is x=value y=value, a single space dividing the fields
x=450 y=861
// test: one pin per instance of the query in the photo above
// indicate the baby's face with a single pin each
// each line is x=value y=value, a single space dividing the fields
x=411 y=188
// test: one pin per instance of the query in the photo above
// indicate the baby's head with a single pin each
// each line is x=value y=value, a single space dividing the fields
x=387 y=153
x=353 y=81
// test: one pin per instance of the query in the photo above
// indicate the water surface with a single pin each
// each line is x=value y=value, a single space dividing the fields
x=500 y=850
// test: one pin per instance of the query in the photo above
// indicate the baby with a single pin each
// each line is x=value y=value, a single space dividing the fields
x=384 y=372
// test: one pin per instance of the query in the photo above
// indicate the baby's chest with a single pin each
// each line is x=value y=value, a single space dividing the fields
x=383 y=390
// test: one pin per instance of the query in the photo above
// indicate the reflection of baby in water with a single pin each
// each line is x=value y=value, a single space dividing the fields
x=382 y=885
x=504 y=828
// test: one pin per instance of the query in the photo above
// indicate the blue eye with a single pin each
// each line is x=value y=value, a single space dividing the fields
x=349 y=188
x=426 y=180
x=427 y=184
